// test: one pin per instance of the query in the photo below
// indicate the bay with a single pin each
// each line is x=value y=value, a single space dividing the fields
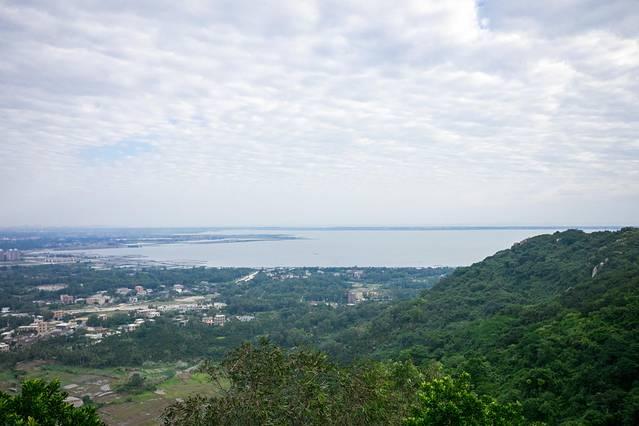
x=340 y=247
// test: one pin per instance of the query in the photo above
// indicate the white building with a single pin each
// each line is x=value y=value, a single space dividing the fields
x=98 y=299
x=355 y=296
x=130 y=327
x=148 y=313
x=219 y=319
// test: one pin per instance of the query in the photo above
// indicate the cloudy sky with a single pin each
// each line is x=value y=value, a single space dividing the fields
x=294 y=112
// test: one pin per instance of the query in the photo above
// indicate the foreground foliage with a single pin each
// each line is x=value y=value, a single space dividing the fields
x=452 y=401
x=42 y=404
x=269 y=385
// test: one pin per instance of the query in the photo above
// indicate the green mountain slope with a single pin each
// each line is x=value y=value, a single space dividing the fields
x=552 y=322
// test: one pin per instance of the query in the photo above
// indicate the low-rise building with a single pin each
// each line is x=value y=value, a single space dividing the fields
x=181 y=321
x=62 y=326
x=66 y=299
x=98 y=299
x=93 y=336
x=131 y=327
x=148 y=313
x=42 y=326
x=355 y=296
x=81 y=320
x=38 y=326
x=26 y=329
x=357 y=274
x=4 y=347
x=219 y=319
x=10 y=255
x=245 y=318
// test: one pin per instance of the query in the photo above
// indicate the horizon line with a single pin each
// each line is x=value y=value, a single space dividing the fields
x=310 y=227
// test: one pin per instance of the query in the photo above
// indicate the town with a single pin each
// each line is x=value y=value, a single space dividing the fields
x=60 y=309
x=70 y=315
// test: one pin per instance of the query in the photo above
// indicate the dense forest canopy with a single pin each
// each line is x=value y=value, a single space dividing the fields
x=552 y=322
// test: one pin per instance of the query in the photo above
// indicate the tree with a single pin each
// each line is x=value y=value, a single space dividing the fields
x=93 y=321
x=268 y=385
x=42 y=404
x=135 y=384
x=449 y=401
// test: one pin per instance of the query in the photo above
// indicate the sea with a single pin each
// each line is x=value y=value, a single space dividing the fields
x=340 y=247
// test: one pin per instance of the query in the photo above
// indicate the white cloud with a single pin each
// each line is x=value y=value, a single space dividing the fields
x=291 y=112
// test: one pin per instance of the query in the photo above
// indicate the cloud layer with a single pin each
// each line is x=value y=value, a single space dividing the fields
x=319 y=112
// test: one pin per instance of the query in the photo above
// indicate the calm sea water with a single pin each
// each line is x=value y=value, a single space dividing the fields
x=392 y=248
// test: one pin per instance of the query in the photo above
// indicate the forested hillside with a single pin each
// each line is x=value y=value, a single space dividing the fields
x=552 y=322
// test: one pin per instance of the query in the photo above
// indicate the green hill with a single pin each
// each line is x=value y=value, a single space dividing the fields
x=552 y=322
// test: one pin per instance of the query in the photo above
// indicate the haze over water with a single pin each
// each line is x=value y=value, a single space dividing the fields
x=389 y=247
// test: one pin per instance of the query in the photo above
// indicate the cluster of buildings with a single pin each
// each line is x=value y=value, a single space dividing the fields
x=52 y=287
x=323 y=302
x=67 y=299
x=291 y=273
x=354 y=297
x=61 y=325
x=11 y=255
x=100 y=298
x=221 y=319
x=121 y=294
x=281 y=274
x=244 y=318
x=218 y=319
x=128 y=328
x=358 y=295
x=148 y=313
x=186 y=307
x=40 y=329
x=67 y=321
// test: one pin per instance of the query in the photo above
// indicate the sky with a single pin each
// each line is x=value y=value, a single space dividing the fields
x=294 y=112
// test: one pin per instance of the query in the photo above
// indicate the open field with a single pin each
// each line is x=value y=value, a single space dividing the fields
x=164 y=384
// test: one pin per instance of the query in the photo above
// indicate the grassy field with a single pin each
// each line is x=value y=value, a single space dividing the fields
x=163 y=384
